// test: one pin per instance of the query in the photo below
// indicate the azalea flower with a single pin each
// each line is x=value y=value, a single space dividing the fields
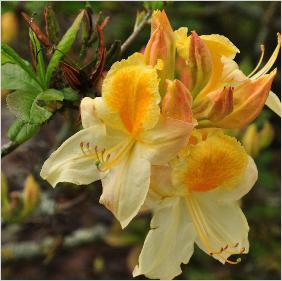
x=123 y=133
x=223 y=96
x=195 y=200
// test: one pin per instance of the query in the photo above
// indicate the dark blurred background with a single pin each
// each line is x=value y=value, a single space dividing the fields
x=96 y=248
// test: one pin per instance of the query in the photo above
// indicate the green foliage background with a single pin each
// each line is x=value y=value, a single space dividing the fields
x=247 y=25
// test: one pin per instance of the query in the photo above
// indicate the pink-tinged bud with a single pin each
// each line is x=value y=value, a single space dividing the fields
x=249 y=99
x=161 y=45
x=199 y=64
x=177 y=102
x=215 y=106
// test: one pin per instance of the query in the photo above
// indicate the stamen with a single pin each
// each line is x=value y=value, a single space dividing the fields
x=259 y=62
x=204 y=231
x=102 y=157
x=271 y=61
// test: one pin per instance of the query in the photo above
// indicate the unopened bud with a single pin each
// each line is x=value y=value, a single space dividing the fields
x=31 y=194
x=9 y=27
x=250 y=140
x=249 y=99
x=215 y=106
x=161 y=45
x=177 y=101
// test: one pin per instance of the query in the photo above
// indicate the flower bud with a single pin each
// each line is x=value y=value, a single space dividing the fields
x=161 y=45
x=177 y=101
x=9 y=27
x=31 y=195
x=215 y=106
x=266 y=135
x=250 y=140
x=249 y=99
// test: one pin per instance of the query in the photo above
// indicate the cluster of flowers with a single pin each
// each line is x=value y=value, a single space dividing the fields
x=156 y=140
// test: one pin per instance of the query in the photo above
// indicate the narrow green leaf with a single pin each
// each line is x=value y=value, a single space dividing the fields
x=70 y=94
x=40 y=67
x=21 y=131
x=15 y=58
x=52 y=26
x=64 y=46
x=13 y=77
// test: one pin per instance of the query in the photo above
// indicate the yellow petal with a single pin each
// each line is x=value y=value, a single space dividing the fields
x=126 y=186
x=274 y=103
x=169 y=243
x=236 y=192
x=216 y=160
x=182 y=42
x=130 y=96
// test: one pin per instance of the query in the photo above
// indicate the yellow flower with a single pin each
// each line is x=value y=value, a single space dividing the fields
x=195 y=200
x=124 y=133
x=222 y=93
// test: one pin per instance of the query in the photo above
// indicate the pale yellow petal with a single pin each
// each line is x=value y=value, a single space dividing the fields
x=274 y=103
x=163 y=142
x=88 y=113
x=226 y=227
x=126 y=186
x=169 y=243
x=231 y=74
x=69 y=164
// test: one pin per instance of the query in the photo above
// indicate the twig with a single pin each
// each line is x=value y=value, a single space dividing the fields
x=69 y=204
x=8 y=147
x=136 y=32
x=33 y=249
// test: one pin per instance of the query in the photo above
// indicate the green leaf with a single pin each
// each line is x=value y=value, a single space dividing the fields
x=20 y=104
x=25 y=105
x=64 y=46
x=13 y=77
x=38 y=114
x=70 y=94
x=51 y=95
x=21 y=131
x=13 y=57
x=40 y=67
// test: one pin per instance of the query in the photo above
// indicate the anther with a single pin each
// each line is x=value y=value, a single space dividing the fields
x=242 y=250
x=236 y=245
